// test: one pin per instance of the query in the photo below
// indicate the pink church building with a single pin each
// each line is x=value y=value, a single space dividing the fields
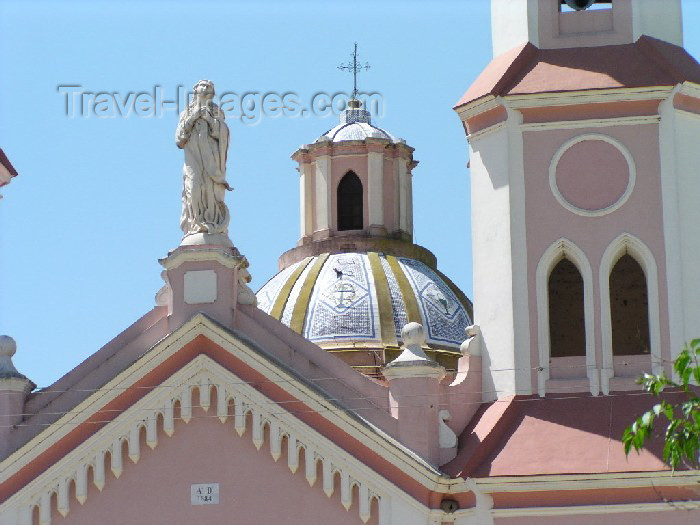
x=359 y=384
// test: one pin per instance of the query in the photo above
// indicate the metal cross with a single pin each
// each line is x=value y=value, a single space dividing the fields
x=354 y=67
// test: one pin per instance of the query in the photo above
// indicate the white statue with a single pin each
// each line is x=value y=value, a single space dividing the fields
x=204 y=136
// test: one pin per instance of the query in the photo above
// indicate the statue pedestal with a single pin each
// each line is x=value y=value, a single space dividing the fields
x=209 y=279
x=210 y=239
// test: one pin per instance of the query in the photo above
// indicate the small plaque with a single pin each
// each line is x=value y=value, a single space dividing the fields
x=200 y=286
x=205 y=494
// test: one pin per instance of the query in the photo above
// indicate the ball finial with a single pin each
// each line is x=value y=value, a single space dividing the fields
x=8 y=346
x=413 y=334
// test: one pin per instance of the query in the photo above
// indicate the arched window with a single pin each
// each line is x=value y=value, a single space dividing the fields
x=629 y=309
x=350 y=202
x=567 y=323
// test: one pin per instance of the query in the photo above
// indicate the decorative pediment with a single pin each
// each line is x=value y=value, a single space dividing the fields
x=221 y=395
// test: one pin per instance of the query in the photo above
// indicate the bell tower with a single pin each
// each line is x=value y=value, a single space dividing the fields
x=585 y=230
x=556 y=24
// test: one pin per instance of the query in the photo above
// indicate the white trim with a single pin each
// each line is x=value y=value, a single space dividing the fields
x=591 y=123
x=596 y=509
x=628 y=243
x=481 y=105
x=567 y=98
x=689 y=88
x=564 y=248
x=220 y=255
x=486 y=131
x=587 y=481
x=592 y=96
x=687 y=114
x=632 y=174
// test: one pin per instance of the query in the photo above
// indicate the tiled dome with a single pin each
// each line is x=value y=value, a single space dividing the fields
x=351 y=299
x=355 y=124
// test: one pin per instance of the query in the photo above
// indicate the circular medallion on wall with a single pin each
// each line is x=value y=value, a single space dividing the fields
x=592 y=175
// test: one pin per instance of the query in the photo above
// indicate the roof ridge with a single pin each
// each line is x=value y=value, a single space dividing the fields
x=649 y=46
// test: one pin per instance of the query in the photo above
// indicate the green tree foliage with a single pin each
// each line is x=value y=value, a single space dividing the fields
x=682 y=436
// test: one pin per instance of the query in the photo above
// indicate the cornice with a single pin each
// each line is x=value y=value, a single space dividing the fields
x=223 y=256
x=587 y=481
x=594 y=96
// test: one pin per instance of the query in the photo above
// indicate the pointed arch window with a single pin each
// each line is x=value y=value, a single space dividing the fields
x=629 y=308
x=567 y=323
x=350 y=202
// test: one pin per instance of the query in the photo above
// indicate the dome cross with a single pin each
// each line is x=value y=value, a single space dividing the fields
x=354 y=67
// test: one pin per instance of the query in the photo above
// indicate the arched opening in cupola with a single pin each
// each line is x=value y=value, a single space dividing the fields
x=350 y=203
x=629 y=308
x=567 y=323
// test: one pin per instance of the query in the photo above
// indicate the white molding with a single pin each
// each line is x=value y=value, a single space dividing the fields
x=593 y=96
x=567 y=98
x=687 y=114
x=628 y=243
x=596 y=509
x=587 y=481
x=486 y=131
x=220 y=255
x=564 y=248
x=481 y=105
x=592 y=123
x=202 y=372
x=690 y=89
x=632 y=174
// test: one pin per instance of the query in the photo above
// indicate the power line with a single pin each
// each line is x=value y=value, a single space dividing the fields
x=48 y=390
x=328 y=410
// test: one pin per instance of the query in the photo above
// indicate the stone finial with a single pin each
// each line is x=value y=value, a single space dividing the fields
x=413 y=335
x=8 y=372
x=8 y=348
x=413 y=360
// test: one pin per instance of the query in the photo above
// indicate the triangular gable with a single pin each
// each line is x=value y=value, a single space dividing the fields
x=200 y=354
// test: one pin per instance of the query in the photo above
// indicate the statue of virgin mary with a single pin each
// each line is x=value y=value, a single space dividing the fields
x=204 y=136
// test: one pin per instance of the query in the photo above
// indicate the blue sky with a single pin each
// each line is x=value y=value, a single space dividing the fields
x=97 y=202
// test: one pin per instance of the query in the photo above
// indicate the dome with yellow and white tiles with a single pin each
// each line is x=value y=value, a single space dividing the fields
x=357 y=303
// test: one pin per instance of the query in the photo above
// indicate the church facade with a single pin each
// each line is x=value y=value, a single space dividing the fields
x=359 y=384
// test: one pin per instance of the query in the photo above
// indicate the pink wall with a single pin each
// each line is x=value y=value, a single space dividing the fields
x=253 y=487
x=547 y=220
x=592 y=189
